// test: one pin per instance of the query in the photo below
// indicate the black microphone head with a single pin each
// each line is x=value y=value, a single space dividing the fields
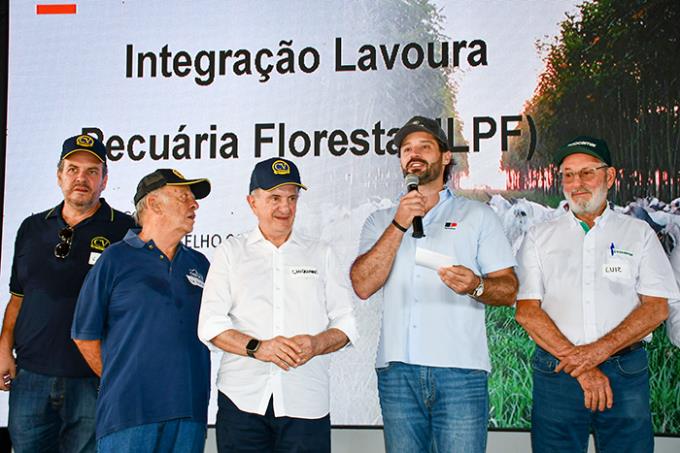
x=411 y=181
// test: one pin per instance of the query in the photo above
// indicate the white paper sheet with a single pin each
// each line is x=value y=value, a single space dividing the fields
x=434 y=260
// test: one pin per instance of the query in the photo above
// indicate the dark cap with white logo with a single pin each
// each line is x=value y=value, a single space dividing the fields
x=584 y=144
x=421 y=124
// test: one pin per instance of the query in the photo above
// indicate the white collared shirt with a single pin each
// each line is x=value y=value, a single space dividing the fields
x=264 y=291
x=424 y=322
x=588 y=283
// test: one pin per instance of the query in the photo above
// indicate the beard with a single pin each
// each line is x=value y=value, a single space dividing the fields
x=82 y=200
x=432 y=171
x=590 y=206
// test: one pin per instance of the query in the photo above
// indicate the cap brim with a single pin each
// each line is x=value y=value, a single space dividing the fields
x=568 y=151
x=285 y=184
x=199 y=187
x=85 y=151
x=409 y=129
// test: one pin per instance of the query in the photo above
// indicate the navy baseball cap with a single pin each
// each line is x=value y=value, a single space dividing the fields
x=168 y=177
x=275 y=172
x=422 y=124
x=85 y=143
x=595 y=147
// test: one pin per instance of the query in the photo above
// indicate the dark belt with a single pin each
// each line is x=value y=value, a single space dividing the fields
x=631 y=348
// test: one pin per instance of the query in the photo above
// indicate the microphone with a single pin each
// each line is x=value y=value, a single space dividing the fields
x=411 y=182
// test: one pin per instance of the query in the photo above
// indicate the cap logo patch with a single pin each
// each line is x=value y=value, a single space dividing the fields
x=85 y=140
x=178 y=174
x=99 y=243
x=590 y=144
x=281 y=167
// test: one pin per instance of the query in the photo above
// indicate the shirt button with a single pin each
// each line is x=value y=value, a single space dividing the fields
x=150 y=247
x=161 y=256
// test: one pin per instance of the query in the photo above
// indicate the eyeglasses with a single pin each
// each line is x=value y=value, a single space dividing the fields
x=584 y=174
x=62 y=249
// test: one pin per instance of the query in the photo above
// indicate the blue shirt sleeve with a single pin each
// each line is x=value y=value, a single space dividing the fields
x=89 y=317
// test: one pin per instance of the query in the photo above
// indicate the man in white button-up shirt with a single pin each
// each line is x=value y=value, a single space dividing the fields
x=276 y=302
x=593 y=285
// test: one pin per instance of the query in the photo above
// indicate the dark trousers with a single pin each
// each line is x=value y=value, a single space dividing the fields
x=242 y=432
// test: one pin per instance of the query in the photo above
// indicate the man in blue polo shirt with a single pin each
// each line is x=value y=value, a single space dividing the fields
x=135 y=324
x=52 y=390
x=433 y=361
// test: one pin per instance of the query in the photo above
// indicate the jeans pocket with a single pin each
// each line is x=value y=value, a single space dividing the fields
x=633 y=363
x=383 y=369
x=544 y=363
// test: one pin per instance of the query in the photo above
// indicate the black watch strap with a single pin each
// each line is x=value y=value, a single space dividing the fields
x=252 y=347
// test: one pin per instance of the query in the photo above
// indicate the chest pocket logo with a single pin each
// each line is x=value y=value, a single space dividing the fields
x=195 y=278
x=99 y=243
x=309 y=273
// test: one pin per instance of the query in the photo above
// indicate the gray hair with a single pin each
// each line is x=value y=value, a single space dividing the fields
x=142 y=204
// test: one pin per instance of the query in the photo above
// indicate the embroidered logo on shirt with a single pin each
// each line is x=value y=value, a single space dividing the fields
x=304 y=272
x=450 y=225
x=99 y=243
x=614 y=251
x=195 y=278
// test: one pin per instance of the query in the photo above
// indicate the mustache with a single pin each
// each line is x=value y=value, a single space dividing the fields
x=416 y=159
x=581 y=190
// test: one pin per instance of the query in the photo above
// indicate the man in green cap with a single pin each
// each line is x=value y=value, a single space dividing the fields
x=594 y=284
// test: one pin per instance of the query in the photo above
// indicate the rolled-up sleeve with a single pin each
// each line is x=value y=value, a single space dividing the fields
x=529 y=270
x=339 y=304
x=656 y=275
x=216 y=303
x=370 y=233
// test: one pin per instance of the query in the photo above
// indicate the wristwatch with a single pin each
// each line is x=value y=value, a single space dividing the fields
x=252 y=347
x=479 y=290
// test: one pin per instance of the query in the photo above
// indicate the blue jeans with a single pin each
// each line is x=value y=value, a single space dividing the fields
x=242 y=432
x=180 y=435
x=52 y=414
x=431 y=409
x=561 y=422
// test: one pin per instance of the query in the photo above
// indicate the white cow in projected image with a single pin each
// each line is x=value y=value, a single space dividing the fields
x=518 y=215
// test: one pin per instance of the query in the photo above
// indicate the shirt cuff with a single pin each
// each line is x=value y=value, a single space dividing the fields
x=347 y=324
x=209 y=329
x=532 y=296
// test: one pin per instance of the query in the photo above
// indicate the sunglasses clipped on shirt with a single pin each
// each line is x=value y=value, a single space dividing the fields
x=62 y=249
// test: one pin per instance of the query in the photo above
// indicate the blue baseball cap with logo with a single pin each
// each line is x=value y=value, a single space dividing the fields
x=275 y=172
x=85 y=143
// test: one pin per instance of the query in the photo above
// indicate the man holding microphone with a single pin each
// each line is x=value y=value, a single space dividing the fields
x=432 y=361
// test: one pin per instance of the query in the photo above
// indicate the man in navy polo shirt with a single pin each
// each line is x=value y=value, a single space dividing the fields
x=53 y=391
x=135 y=324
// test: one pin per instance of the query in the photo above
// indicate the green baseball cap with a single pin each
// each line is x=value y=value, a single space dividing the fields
x=585 y=144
